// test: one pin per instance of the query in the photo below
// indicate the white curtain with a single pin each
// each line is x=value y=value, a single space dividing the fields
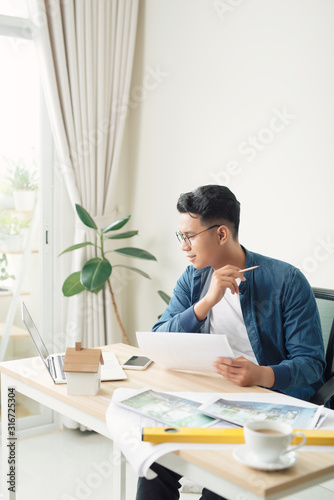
x=85 y=50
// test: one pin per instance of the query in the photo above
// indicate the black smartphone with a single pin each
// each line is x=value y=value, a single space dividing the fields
x=137 y=363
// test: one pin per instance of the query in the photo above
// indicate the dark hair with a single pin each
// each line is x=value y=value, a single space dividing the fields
x=213 y=204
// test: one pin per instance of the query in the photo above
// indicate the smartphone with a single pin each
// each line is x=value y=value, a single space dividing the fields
x=137 y=363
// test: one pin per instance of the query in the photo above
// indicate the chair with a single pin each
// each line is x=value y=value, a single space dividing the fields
x=325 y=303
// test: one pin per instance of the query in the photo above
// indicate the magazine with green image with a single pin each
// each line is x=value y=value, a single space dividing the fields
x=169 y=409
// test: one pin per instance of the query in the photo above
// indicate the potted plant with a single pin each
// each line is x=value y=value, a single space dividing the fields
x=12 y=231
x=24 y=182
x=96 y=272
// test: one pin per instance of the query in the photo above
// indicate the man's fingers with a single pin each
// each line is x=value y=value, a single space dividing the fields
x=229 y=366
x=229 y=282
x=237 y=362
x=230 y=271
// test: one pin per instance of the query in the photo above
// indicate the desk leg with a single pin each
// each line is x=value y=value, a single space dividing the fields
x=9 y=443
x=119 y=473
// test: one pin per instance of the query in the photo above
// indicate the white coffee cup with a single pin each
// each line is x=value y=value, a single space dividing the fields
x=269 y=440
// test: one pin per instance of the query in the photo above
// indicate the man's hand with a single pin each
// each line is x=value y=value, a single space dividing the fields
x=243 y=372
x=222 y=279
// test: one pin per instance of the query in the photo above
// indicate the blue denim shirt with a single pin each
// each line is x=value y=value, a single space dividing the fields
x=281 y=319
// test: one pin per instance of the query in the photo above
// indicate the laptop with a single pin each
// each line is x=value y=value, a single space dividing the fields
x=111 y=370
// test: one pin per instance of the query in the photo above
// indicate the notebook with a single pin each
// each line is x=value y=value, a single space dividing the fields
x=111 y=370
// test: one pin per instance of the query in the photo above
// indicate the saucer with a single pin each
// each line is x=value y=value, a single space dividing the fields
x=247 y=457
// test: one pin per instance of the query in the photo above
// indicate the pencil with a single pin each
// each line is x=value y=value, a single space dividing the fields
x=248 y=269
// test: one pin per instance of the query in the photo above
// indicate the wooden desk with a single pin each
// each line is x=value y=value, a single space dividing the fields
x=217 y=470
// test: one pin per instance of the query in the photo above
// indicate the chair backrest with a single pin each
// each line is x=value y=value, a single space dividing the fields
x=325 y=302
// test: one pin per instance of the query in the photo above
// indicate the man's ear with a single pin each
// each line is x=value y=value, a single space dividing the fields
x=223 y=233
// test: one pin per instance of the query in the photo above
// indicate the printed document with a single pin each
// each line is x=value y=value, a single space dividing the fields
x=184 y=351
x=167 y=408
x=241 y=412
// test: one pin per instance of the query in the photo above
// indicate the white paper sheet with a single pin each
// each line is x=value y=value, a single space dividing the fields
x=184 y=351
x=126 y=426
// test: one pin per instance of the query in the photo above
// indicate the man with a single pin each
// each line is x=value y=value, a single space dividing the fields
x=269 y=316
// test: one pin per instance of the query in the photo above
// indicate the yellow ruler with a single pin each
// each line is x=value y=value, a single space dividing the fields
x=222 y=435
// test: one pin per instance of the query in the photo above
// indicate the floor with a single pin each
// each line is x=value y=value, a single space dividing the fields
x=69 y=465
x=75 y=465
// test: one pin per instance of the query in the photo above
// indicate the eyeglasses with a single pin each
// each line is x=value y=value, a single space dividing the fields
x=182 y=237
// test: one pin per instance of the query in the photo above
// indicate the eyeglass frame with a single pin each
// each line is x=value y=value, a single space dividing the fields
x=182 y=237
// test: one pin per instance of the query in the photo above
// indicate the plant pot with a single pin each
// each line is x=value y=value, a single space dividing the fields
x=6 y=201
x=24 y=200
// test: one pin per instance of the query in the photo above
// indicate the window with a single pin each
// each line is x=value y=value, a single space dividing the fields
x=23 y=129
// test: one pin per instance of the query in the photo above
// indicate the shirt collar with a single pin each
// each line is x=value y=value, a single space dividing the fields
x=249 y=263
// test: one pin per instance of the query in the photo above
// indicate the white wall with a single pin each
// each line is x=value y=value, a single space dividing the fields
x=211 y=77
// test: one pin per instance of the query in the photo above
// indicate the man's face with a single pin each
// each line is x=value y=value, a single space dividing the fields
x=205 y=249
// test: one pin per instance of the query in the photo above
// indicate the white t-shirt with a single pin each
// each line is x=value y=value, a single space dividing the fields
x=226 y=318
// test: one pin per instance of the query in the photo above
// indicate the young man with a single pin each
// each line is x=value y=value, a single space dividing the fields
x=269 y=313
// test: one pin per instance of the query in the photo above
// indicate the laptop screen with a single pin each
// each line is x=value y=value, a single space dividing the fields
x=37 y=339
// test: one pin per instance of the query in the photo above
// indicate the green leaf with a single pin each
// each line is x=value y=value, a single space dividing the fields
x=72 y=285
x=135 y=252
x=75 y=247
x=164 y=296
x=95 y=273
x=98 y=289
x=85 y=217
x=118 y=224
x=119 y=236
x=136 y=270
